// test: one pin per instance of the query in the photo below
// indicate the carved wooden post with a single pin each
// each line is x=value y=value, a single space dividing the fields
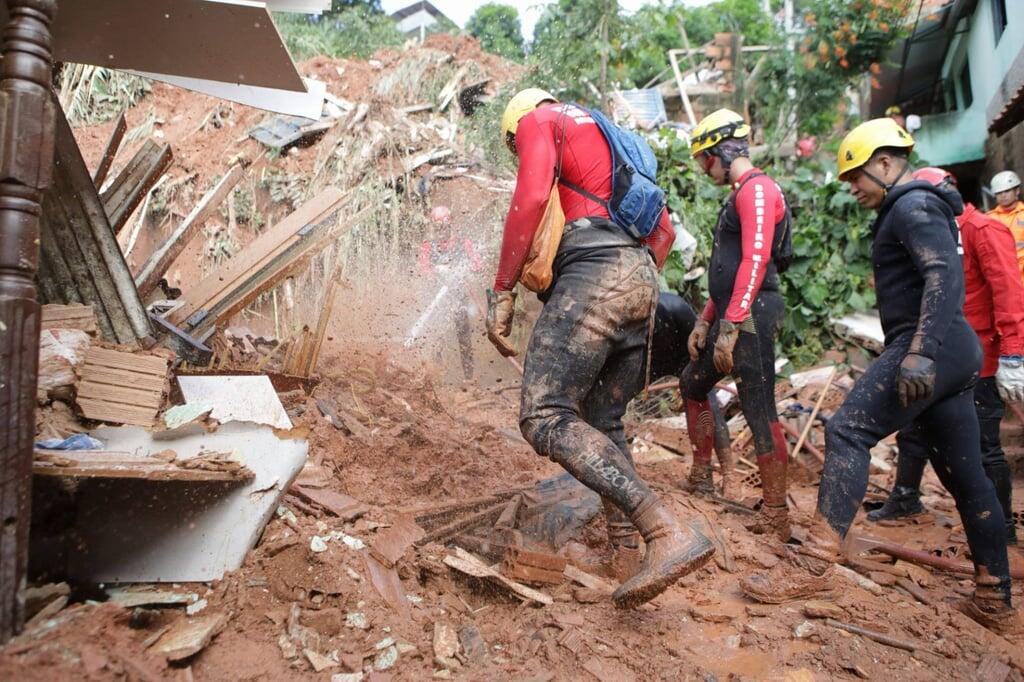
x=26 y=161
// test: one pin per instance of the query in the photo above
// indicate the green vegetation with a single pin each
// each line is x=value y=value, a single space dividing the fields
x=498 y=29
x=92 y=94
x=349 y=30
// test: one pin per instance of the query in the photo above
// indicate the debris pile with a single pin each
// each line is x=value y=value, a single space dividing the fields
x=268 y=493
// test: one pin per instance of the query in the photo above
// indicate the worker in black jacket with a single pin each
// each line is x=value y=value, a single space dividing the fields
x=925 y=377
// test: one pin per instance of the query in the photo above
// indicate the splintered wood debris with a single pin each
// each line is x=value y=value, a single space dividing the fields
x=161 y=466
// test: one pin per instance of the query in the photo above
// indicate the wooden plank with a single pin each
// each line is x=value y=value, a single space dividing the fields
x=132 y=184
x=588 y=580
x=165 y=254
x=56 y=316
x=235 y=300
x=116 y=414
x=105 y=375
x=326 y=307
x=110 y=151
x=147 y=469
x=120 y=394
x=469 y=564
x=268 y=244
x=111 y=464
x=133 y=362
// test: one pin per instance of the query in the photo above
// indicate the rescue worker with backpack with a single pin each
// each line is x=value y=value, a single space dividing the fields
x=737 y=328
x=994 y=307
x=588 y=355
x=925 y=377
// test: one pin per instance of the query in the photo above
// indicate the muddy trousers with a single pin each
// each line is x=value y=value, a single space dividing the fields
x=914 y=451
x=948 y=424
x=753 y=369
x=585 y=362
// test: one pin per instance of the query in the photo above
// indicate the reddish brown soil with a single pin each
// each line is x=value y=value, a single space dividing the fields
x=426 y=439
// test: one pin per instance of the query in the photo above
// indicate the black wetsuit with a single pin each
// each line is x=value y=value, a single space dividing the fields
x=920 y=288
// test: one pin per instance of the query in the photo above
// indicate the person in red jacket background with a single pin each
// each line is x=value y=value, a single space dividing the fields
x=448 y=259
x=994 y=307
x=588 y=354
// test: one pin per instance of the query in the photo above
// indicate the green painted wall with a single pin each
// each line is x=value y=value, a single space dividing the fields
x=959 y=136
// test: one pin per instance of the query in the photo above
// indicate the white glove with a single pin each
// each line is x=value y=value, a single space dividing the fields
x=1010 y=378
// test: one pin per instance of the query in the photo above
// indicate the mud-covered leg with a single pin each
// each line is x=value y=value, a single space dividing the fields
x=755 y=374
x=696 y=383
x=952 y=433
x=620 y=379
x=870 y=412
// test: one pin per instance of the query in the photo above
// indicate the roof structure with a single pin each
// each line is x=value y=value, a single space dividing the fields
x=413 y=8
x=915 y=79
x=1006 y=109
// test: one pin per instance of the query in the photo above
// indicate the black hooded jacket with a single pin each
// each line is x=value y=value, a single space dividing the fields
x=919 y=277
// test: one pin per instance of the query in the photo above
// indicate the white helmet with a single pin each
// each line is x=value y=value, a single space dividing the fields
x=1004 y=181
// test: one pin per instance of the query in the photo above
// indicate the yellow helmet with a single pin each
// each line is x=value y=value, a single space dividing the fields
x=867 y=138
x=522 y=103
x=717 y=126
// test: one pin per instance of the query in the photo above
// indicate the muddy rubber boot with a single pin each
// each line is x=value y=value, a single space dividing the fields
x=773 y=516
x=625 y=541
x=903 y=503
x=672 y=551
x=807 y=571
x=730 y=482
x=700 y=480
x=990 y=606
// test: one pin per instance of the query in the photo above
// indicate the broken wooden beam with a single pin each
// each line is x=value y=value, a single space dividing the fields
x=464 y=562
x=122 y=388
x=165 y=254
x=131 y=185
x=108 y=464
x=110 y=151
x=265 y=261
x=338 y=504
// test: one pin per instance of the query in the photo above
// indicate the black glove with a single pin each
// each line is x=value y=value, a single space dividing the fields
x=916 y=379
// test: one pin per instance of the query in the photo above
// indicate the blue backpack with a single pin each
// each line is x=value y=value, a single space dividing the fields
x=637 y=202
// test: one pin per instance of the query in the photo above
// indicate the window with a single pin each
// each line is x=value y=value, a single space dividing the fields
x=964 y=81
x=999 y=17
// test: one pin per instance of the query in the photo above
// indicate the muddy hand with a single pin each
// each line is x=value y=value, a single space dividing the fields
x=916 y=379
x=698 y=338
x=728 y=332
x=501 y=306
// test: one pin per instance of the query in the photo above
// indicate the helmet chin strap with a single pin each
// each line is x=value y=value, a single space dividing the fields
x=886 y=188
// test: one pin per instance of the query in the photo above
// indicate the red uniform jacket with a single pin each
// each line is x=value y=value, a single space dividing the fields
x=994 y=294
x=586 y=161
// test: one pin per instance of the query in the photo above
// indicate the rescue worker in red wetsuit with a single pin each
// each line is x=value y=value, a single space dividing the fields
x=449 y=260
x=994 y=307
x=736 y=331
x=586 y=358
